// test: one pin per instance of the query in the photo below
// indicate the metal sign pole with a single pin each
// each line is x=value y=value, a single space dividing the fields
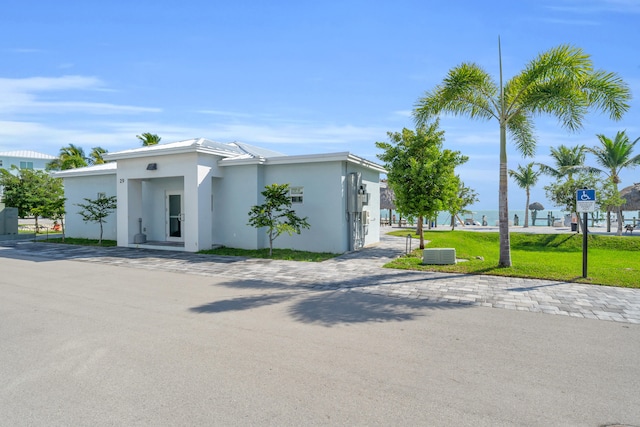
x=585 y=202
x=585 y=231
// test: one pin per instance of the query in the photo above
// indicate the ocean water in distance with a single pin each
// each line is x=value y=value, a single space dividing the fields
x=491 y=216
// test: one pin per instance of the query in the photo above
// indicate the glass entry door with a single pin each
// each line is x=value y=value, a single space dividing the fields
x=175 y=217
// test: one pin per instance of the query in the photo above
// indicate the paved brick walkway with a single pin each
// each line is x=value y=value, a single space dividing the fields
x=362 y=272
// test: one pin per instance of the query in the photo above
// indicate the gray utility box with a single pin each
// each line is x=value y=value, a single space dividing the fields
x=439 y=256
x=8 y=220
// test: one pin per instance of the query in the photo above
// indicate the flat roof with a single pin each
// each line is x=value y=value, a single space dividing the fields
x=103 y=169
x=344 y=156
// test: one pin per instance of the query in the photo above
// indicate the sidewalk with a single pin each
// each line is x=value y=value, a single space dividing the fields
x=362 y=272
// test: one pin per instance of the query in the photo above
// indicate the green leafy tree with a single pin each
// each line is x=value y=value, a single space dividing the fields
x=70 y=157
x=97 y=211
x=276 y=214
x=466 y=196
x=96 y=156
x=420 y=173
x=148 y=139
x=560 y=82
x=566 y=162
x=525 y=177
x=608 y=196
x=563 y=193
x=613 y=155
x=33 y=192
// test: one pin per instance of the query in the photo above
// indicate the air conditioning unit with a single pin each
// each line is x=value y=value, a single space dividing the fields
x=439 y=256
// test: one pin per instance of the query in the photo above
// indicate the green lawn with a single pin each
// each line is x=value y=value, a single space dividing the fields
x=281 y=254
x=83 y=242
x=612 y=260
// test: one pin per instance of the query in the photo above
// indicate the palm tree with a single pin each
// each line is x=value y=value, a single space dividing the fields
x=70 y=157
x=148 y=139
x=525 y=177
x=95 y=157
x=560 y=82
x=567 y=161
x=615 y=155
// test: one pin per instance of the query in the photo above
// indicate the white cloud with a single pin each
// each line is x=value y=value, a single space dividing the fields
x=597 y=6
x=23 y=50
x=284 y=133
x=232 y=114
x=403 y=113
x=20 y=96
x=39 y=84
x=119 y=135
x=579 y=22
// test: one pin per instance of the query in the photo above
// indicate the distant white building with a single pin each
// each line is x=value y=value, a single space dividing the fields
x=196 y=194
x=24 y=159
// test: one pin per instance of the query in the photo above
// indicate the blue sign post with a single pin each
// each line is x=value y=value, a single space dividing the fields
x=585 y=203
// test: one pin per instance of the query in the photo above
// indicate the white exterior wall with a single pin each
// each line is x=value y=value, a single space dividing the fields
x=142 y=192
x=322 y=205
x=372 y=181
x=8 y=161
x=217 y=201
x=234 y=195
x=154 y=205
x=132 y=173
x=76 y=189
x=207 y=169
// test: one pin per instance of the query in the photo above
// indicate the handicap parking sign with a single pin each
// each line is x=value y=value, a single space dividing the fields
x=586 y=195
x=586 y=200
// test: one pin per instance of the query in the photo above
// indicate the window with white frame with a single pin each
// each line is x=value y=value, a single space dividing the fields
x=296 y=194
x=26 y=165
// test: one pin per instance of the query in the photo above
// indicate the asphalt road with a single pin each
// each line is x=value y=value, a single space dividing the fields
x=85 y=344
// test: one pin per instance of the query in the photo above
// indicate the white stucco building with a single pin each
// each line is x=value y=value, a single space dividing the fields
x=196 y=194
x=24 y=159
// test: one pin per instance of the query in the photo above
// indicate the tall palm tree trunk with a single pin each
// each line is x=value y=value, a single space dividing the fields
x=526 y=210
x=503 y=208
x=620 y=221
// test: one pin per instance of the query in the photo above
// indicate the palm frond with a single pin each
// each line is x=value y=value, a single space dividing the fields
x=608 y=92
x=521 y=129
x=467 y=90
x=561 y=82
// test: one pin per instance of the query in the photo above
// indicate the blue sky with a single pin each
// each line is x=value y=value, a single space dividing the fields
x=299 y=77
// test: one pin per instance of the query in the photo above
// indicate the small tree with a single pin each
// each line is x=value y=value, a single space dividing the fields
x=97 y=210
x=33 y=192
x=563 y=194
x=466 y=196
x=276 y=214
x=420 y=172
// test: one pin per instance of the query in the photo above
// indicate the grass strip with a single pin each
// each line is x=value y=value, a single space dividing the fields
x=279 y=254
x=612 y=260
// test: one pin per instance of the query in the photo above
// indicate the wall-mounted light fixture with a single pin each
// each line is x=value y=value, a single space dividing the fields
x=152 y=166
